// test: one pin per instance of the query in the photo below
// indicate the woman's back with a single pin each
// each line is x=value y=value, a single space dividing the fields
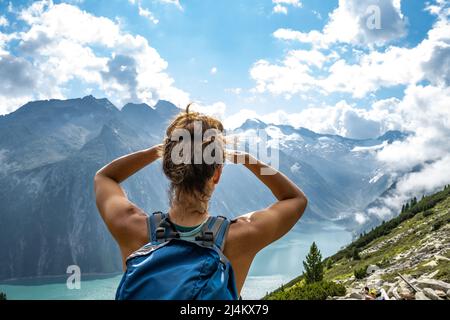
x=192 y=183
x=180 y=265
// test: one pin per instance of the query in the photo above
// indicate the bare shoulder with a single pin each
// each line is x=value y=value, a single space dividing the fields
x=239 y=236
x=240 y=249
x=132 y=232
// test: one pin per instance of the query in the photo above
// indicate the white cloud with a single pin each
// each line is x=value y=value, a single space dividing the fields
x=236 y=91
x=437 y=68
x=294 y=3
x=213 y=70
x=147 y=14
x=292 y=76
x=176 y=3
x=430 y=178
x=313 y=36
x=317 y=14
x=61 y=41
x=3 y=21
x=217 y=109
x=236 y=120
x=280 y=9
x=424 y=111
x=281 y=5
x=355 y=22
x=310 y=57
x=421 y=163
x=363 y=72
x=10 y=7
x=295 y=168
x=341 y=119
x=360 y=218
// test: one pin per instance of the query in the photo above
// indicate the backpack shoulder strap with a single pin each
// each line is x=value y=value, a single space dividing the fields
x=215 y=231
x=153 y=222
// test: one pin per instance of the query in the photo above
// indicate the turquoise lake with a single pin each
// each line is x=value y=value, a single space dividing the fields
x=272 y=267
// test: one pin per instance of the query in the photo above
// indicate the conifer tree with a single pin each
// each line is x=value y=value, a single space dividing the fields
x=313 y=265
x=355 y=254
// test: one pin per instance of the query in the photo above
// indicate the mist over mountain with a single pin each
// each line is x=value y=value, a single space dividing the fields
x=50 y=151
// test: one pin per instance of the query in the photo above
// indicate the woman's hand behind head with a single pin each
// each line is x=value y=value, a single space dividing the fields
x=239 y=157
x=236 y=156
x=159 y=149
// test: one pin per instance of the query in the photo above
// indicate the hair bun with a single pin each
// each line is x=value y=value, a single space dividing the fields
x=190 y=177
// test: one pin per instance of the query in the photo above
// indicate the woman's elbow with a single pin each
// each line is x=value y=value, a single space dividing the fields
x=98 y=178
x=302 y=204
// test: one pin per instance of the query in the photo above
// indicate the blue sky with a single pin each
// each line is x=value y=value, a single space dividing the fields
x=196 y=37
x=231 y=36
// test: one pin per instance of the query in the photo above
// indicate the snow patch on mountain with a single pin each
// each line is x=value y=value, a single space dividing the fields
x=370 y=148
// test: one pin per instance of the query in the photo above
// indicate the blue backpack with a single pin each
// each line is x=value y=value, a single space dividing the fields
x=170 y=268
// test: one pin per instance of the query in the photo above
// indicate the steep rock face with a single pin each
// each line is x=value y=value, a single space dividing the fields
x=50 y=151
x=340 y=175
x=43 y=132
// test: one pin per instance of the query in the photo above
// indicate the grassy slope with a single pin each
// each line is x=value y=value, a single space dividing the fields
x=418 y=225
x=383 y=257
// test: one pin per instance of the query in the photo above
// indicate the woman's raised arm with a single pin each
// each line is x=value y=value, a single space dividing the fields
x=116 y=210
x=264 y=226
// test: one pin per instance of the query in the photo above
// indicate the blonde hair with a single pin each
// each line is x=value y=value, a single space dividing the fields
x=191 y=178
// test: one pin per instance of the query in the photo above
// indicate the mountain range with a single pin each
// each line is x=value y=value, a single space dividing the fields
x=51 y=149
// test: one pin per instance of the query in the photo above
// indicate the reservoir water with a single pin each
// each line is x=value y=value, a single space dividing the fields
x=272 y=267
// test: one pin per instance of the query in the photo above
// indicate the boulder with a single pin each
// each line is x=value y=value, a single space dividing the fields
x=441 y=294
x=431 y=264
x=405 y=292
x=356 y=295
x=374 y=282
x=433 y=284
x=384 y=295
x=396 y=294
x=438 y=257
x=391 y=288
x=372 y=269
x=433 y=274
x=431 y=294
x=421 y=296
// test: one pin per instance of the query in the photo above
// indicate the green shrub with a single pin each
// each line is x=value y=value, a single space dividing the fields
x=383 y=263
x=360 y=273
x=355 y=254
x=437 y=225
x=427 y=213
x=2 y=296
x=347 y=253
x=313 y=291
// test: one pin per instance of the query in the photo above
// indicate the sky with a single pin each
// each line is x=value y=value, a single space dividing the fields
x=236 y=59
x=349 y=67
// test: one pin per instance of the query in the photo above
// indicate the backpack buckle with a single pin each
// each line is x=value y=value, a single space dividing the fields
x=206 y=237
x=160 y=233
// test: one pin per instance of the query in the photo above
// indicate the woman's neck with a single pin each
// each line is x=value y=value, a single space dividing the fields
x=188 y=211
